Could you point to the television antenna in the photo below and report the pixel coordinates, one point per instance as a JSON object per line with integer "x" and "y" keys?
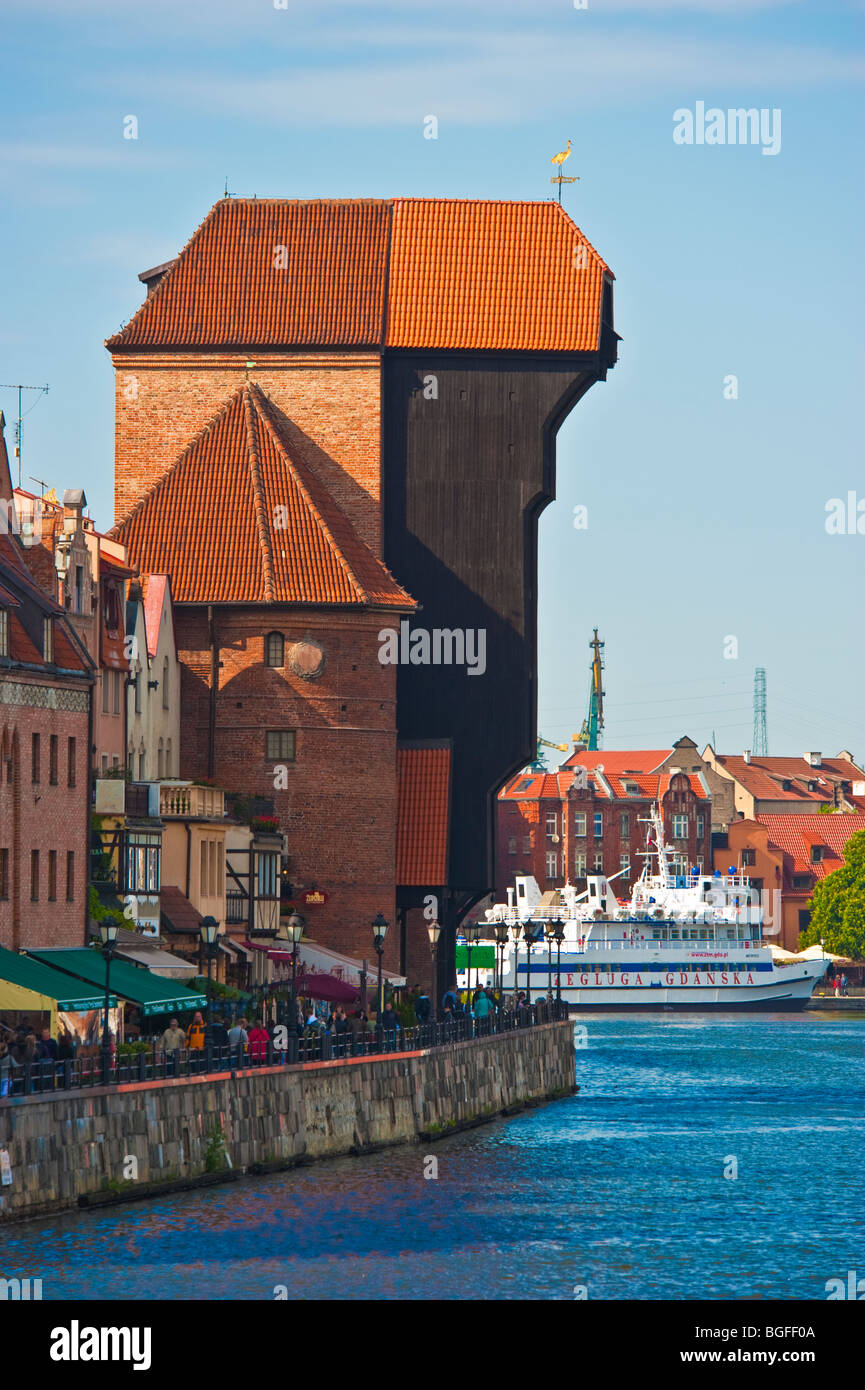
{"x": 19, "y": 387}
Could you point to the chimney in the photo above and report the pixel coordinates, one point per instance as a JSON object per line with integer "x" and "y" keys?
{"x": 151, "y": 278}
{"x": 747, "y": 755}
{"x": 814, "y": 759}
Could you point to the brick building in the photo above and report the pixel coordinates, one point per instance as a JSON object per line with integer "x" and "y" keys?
{"x": 309, "y": 393}
{"x": 789, "y": 854}
{"x": 45, "y": 697}
{"x": 587, "y": 817}
{"x": 765, "y": 786}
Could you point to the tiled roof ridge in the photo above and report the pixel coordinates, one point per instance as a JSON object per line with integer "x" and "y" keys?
{"x": 159, "y": 291}
{"x": 297, "y": 473}
{"x": 162, "y": 480}
{"x": 249, "y": 411}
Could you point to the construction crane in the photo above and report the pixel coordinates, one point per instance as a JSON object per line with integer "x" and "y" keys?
{"x": 539, "y": 765}
{"x": 594, "y": 720}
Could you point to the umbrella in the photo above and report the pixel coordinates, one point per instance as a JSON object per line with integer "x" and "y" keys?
{"x": 327, "y": 987}
{"x": 778, "y": 953}
{"x": 817, "y": 953}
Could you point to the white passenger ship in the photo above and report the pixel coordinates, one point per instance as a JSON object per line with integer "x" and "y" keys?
{"x": 692, "y": 941}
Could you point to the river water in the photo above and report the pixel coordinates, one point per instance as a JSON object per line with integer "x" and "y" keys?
{"x": 616, "y": 1193}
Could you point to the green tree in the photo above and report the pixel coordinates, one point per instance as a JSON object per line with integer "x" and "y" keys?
{"x": 838, "y": 905}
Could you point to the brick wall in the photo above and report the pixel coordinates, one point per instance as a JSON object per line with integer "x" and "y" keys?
{"x": 331, "y": 405}
{"x": 338, "y": 807}
{"x": 52, "y": 819}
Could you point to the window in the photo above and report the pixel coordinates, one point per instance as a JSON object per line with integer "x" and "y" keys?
{"x": 749, "y": 858}
{"x": 4, "y": 632}
{"x": 4, "y": 873}
{"x": 680, "y": 827}
{"x": 274, "y": 649}
{"x": 34, "y": 875}
{"x": 48, "y": 639}
{"x": 214, "y": 882}
{"x": 625, "y": 824}
{"x": 35, "y": 759}
{"x": 267, "y": 874}
{"x": 512, "y": 844}
{"x": 104, "y": 764}
{"x": 79, "y": 589}
{"x": 115, "y": 761}
{"x": 580, "y": 823}
{"x": 801, "y": 881}
{"x": 202, "y": 869}
{"x": 701, "y": 824}
{"x": 279, "y": 745}
{"x": 580, "y": 864}
{"x": 625, "y": 865}
{"x": 105, "y": 678}
{"x": 552, "y": 864}
{"x": 142, "y": 862}
{"x": 112, "y": 611}
{"x": 817, "y": 853}
{"x": 118, "y": 686}
{"x": 70, "y": 875}
{"x": 159, "y": 757}
{"x": 166, "y": 685}
{"x": 71, "y": 758}
{"x": 137, "y": 684}
{"x": 142, "y": 759}
{"x": 552, "y": 822}
{"x": 168, "y": 757}
{"x": 52, "y": 875}
{"x": 53, "y": 755}
{"x": 599, "y": 861}
{"x": 599, "y": 824}
{"x": 527, "y": 844}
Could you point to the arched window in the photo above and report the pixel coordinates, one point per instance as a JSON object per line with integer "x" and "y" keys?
{"x": 165, "y": 690}
{"x": 142, "y": 763}
{"x": 274, "y": 649}
{"x": 168, "y": 757}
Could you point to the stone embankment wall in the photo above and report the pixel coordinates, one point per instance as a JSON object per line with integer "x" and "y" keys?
{"x": 119, "y": 1138}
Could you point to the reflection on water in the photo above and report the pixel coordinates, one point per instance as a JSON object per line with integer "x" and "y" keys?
{"x": 619, "y": 1188}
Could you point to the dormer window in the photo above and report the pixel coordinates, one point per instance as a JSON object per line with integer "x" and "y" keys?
{"x": 48, "y": 639}
{"x": 818, "y": 853}
{"x": 786, "y": 784}
{"x": 112, "y": 612}
{"x": 4, "y": 632}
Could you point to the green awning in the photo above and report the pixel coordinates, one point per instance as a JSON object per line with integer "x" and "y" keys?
{"x": 483, "y": 957}
{"x": 153, "y": 993}
{"x": 70, "y": 995}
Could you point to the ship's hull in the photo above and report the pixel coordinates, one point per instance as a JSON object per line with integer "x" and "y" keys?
{"x": 642, "y": 981}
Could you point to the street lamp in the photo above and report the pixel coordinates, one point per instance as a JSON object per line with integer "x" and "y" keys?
{"x": 472, "y": 935}
{"x": 294, "y": 930}
{"x": 515, "y": 932}
{"x": 530, "y": 933}
{"x": 379, "y": 932}
{"x": 108, "y": 932}
{"x": 558, "y": 937}
{"x": 500, "y": 932}
{"x": 209, "y": 931}
{"x": 434, "y": 931}
{"x": 549, "y": 929}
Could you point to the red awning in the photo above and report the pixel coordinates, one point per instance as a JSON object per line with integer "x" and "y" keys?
{"x": 327, "y": 987}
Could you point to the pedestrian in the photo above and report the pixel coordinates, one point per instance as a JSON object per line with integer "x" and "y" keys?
{"x": 47, "y": 1047}
{"x": 481, "y": 1004}
{"x": 449, "y": 1000}
{"x": 196, "y": 1033}
{"x": 390, "y": 1024}
{"x": 171, "y": 1042}
{"x": 844, "y": 982}
{"x": 65, "y": 1048}
{"x": 7, "y": 1064}
{"x": 218, "y": 1035}
{"x": 837, "y": 985}
{"x": 238, "y": 1036}
{"x": 258, "y": 1040}
{"x": 422, "y": 1007}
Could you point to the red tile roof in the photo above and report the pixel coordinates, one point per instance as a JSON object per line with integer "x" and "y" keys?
{"x": 406, "y": 273}
{"x": 509, "y": 276}
{"x": 177, "y": 913}
{"x": 423, "y": 815}
{"x": 763, "y": 778}
{"x": 795, "y": 835}
{"x": 237, "y": 519}
{"x": 539, "y": 785}
{"x": 633, "y": 760}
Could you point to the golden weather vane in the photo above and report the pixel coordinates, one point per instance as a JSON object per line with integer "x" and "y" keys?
{"x": 561, "y": 178}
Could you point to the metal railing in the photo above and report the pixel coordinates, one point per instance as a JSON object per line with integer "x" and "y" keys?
{"x": 84, "y": 1073}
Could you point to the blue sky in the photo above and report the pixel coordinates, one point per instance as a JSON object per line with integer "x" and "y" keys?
{"x": 706, "y": 515}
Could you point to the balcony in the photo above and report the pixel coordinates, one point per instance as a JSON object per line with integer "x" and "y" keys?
{"x": 189, "y": 802}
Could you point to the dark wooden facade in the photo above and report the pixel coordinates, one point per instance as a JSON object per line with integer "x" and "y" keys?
{"x": 467, "y": 472}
